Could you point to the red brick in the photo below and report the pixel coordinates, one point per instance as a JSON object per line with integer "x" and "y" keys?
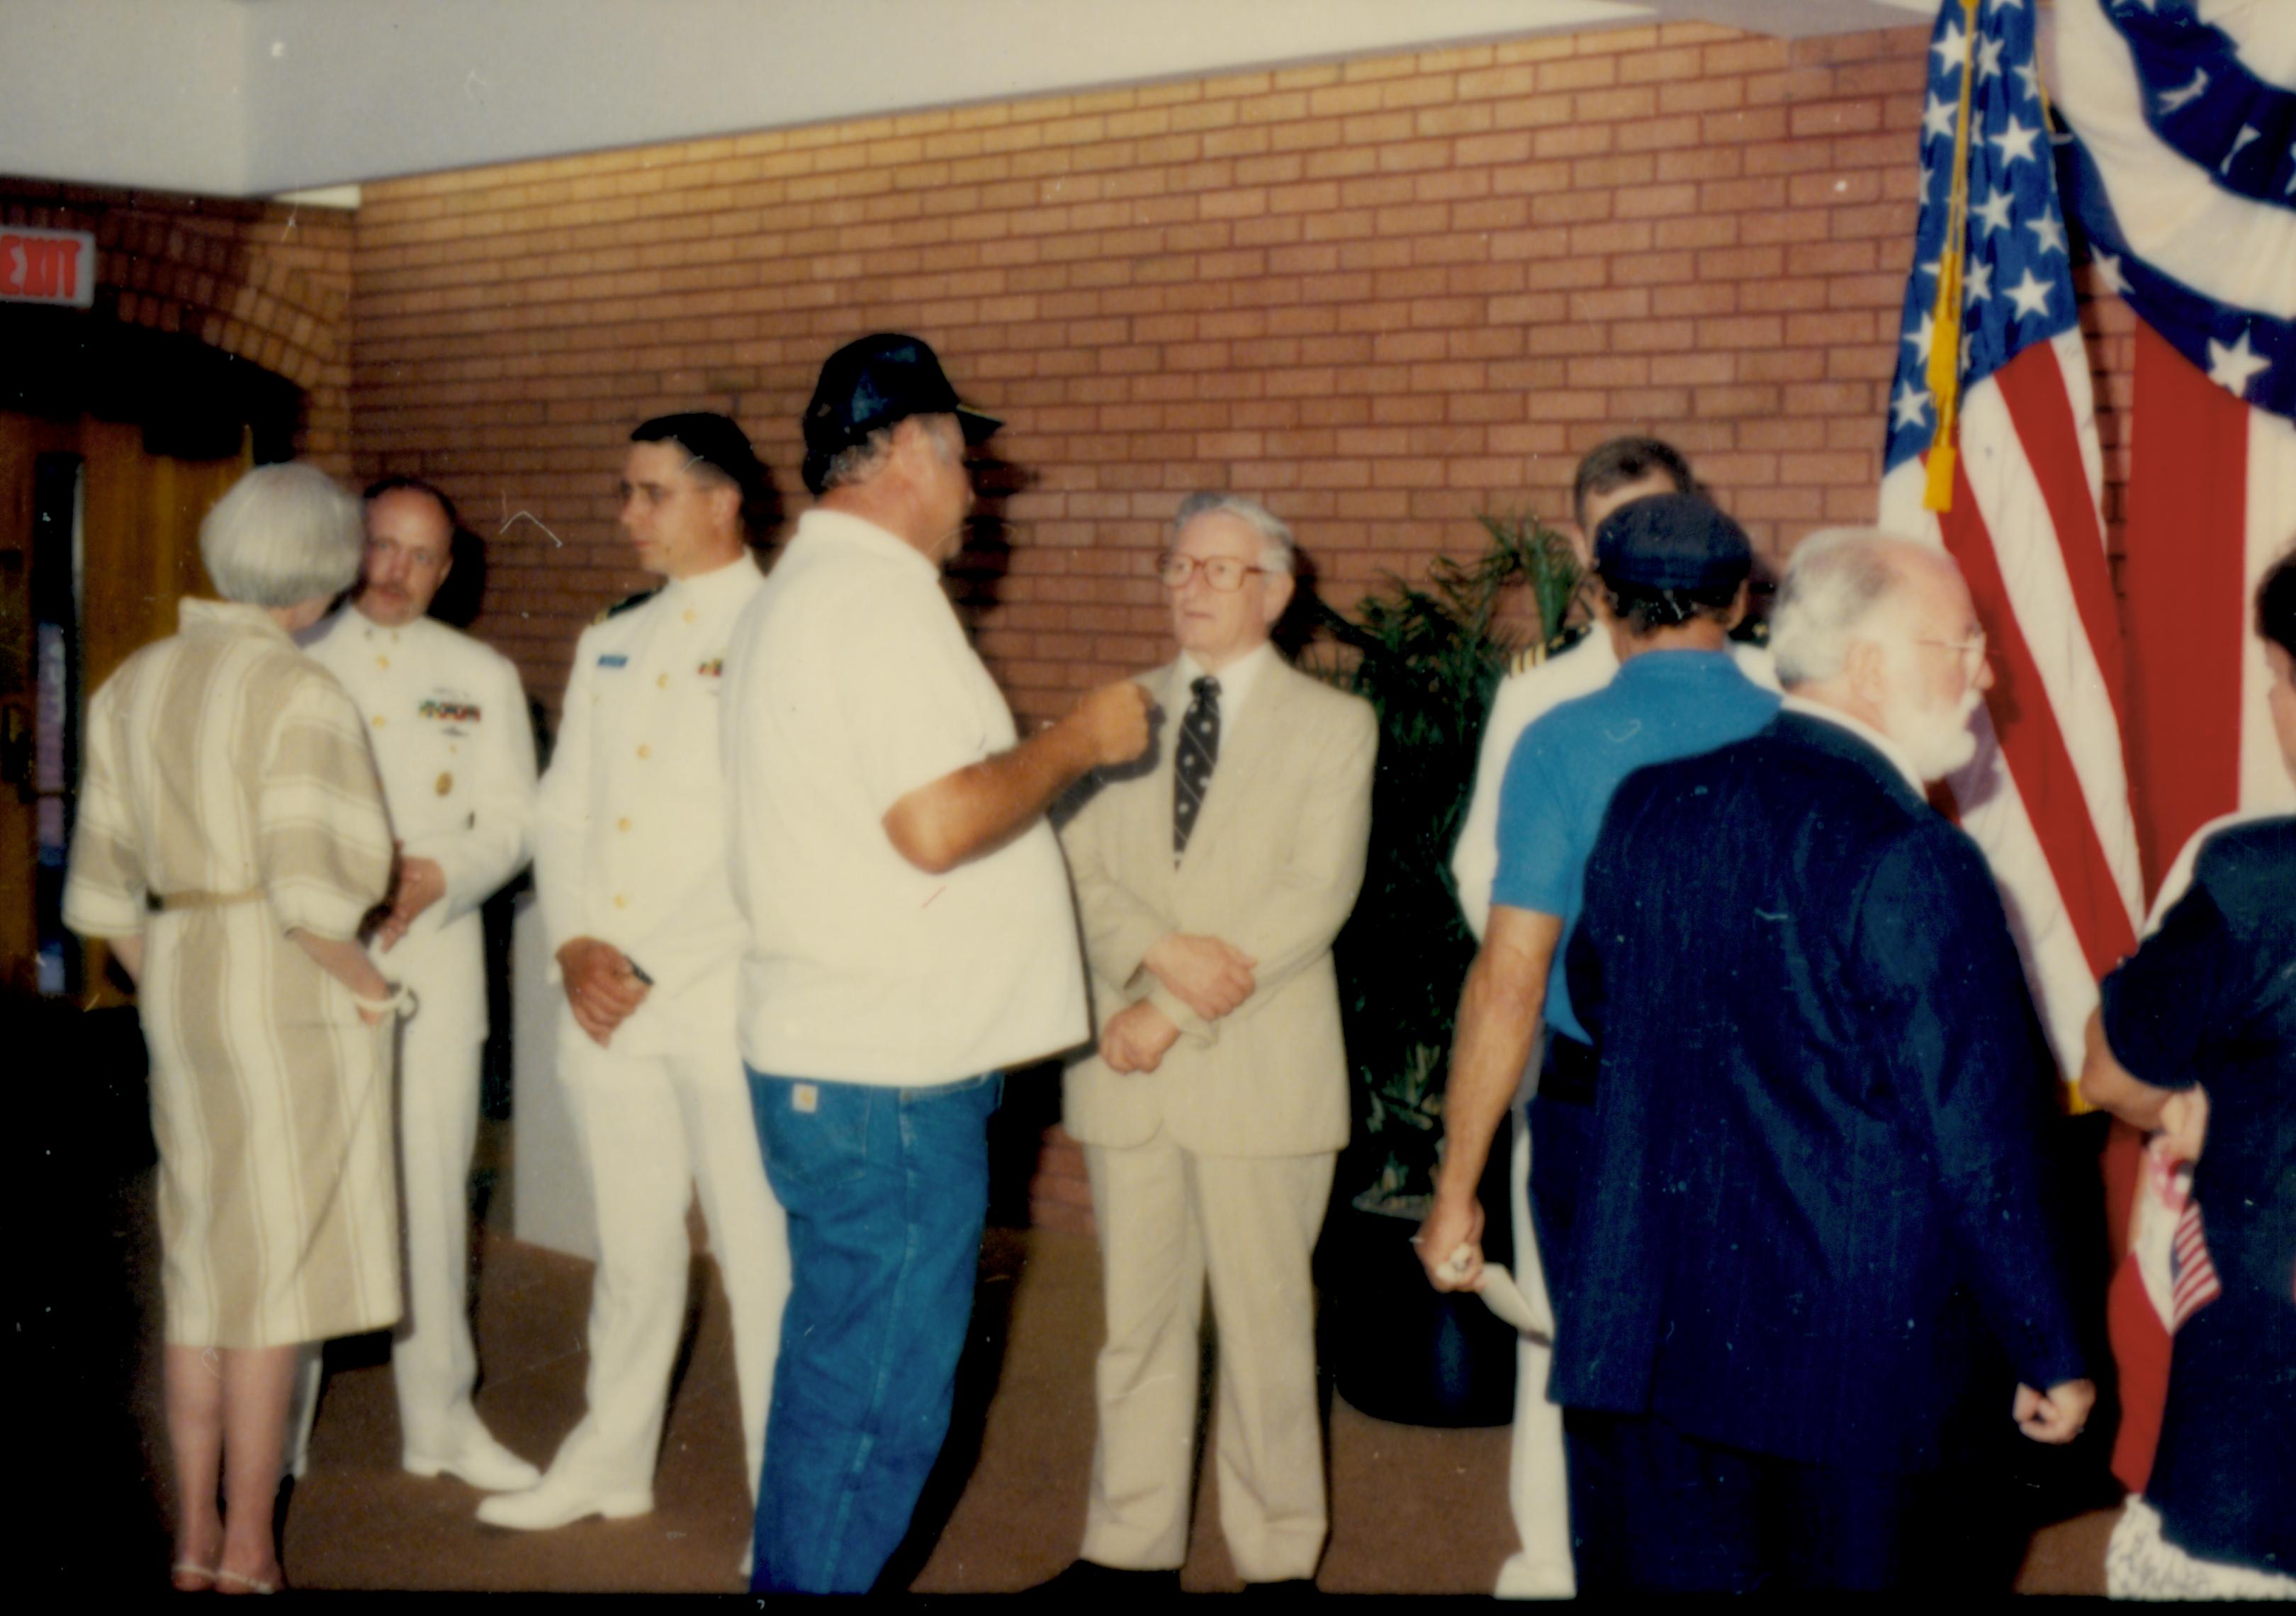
{"x": 1584, "y": 73}
{"x": 1191, "y": 281}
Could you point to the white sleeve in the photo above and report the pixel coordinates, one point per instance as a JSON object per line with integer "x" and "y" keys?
{"x": 1475, "y": 858}
{"x": 561, "y": 815}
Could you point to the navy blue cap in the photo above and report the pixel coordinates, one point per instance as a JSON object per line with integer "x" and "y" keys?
{"x": 876, "y": 382}
{"x": 1672, "y": 541}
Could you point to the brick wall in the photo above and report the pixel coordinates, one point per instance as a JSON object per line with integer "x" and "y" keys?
{"x": 1386, "y": 295}
{"x": 264, "y": 281}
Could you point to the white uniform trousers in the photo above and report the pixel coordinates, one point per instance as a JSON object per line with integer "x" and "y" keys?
{"x": 1538, "y": 1484}
{"x": 1169, "y": 1220}
{"x": 434, "y": 1363}
{"x": 652, "y": 1129}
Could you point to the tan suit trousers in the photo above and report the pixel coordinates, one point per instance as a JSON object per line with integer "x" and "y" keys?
{"x": 1170, "y": 1220}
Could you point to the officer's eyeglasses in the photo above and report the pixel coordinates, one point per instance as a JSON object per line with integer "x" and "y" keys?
{"x": 1970, "y": 652}
{"x": 390, "y": 549}
{"x": 1223, "y": 572}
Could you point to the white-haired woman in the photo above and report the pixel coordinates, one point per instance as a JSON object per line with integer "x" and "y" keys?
{"x": 231, "y": 840}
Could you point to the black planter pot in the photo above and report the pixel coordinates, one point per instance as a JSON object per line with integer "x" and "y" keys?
{"x": 1400, "y": 1350}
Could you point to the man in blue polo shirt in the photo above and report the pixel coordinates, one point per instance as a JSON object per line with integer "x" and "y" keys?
{"x": 1672, "y": 570}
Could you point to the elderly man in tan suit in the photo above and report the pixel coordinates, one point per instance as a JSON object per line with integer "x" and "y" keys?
{"x": 1211, "y": 882}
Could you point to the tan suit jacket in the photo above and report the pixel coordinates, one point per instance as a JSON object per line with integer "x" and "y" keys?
{"x": 1272, "y": 867}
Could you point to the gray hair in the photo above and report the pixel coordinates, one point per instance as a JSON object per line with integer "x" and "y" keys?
{"x": 284, "y": 534}
{"x": 1837, "y": 582}
{"x": 857, "y": 461}
{"x": 1278, "y": 551}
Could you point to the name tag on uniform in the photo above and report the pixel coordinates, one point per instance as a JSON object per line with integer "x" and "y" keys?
{"x": 450, "y": 712}
{"x": 612, "y": 658}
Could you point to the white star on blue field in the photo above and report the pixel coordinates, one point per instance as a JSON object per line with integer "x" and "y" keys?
{"x": 2017, "y": 279}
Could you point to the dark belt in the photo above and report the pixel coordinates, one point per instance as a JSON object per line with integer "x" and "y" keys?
{"x": 1567, "y": 1075}
{"x": 165, "y": 902}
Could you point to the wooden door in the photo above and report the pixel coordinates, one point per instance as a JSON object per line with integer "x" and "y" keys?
{"x": 137, "y": 555}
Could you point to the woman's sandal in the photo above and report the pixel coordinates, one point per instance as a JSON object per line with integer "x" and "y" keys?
{"x": 190, "y": 1576}
{"x": 240, "y": 1583}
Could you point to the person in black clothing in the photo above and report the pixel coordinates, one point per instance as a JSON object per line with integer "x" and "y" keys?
{"x": 1818, "y": 1257}
{"x": 2196, "y": 1037}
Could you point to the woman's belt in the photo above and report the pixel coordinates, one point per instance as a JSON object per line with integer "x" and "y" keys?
{"x": 164, "y": 902}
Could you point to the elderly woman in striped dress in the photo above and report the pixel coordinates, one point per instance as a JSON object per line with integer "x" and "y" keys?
{"x": 231, "y": 840}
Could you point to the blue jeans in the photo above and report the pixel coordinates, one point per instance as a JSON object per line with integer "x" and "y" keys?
{"x": 886, "y": 1191}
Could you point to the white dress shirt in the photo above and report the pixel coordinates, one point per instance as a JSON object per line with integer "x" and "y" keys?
{"x": 631, "y": 835}
{"x": 446, "y": 720}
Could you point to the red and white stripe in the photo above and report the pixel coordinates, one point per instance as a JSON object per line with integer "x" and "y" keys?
{"x": 2212, "y": 505}
{"x": 2049, "y": 803}
{"x": 2196, "y": 1273}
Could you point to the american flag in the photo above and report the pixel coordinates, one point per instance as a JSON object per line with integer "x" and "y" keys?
{"x": 2170, "y": 1248}
{"x": 2192, "y": 1271}
{"x": 1992, "y": 451}
{"x": 2183, "y": 187}
{"x": 2182, "y": 184}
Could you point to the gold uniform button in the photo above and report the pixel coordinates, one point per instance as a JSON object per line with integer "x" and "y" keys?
{"x": 663, "y": 681}
{"x": 446, "y": 784}
{"x": 643, "y": 751}
{"x": 621, "y": 902}
{"x": 382, "y": 662}
{"x": 378, "y": 720}
{"x": 689, "y": 615}
{"x": 622, "y": 825}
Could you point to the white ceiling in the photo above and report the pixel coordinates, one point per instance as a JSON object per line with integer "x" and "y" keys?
{"x": 254, "y": 97}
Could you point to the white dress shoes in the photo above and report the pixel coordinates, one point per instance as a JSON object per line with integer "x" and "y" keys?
{"x": 559, "y": 1501}
{"x": 481, "y": 1461}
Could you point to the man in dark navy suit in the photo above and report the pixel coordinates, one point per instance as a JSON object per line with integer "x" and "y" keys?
{"x": 1818, "y": 1252}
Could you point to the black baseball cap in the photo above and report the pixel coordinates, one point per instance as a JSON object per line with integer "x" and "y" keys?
{"x": 1672, "y": 541}
{"x": 873, "y": 383}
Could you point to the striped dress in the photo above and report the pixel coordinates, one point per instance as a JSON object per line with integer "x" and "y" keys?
{"x": 229, "y": 781}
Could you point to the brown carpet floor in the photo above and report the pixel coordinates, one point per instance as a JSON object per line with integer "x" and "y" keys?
{"x": 1412, "y": 1509}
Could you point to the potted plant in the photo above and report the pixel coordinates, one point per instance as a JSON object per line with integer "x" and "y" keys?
{"x": 1428, "y": 660}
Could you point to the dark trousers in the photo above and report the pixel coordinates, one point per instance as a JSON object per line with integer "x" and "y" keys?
{"x": 1652, "y": 1510}
{"x": 1562, "y": 1136}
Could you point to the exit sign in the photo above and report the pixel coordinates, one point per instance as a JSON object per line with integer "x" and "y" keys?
{"x": 46, "y": 267}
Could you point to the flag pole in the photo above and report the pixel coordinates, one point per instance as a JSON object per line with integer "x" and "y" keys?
{"x": 1945, "y": 314}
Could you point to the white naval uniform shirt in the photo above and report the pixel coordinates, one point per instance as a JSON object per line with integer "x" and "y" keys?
{"x": 1529, "y": 692}
{"x": 630, "y": 843}
{"x": 446, "y": 720}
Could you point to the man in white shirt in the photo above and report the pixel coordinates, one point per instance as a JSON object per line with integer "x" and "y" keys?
{"x": 447, "y": 717}
{"x": 909, "y": 933}
{"x": 630, "y": 867}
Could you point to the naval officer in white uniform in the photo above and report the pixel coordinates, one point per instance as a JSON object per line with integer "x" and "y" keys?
{"x": 630, "y": 867}
{"x": 448, "y": 720}
{"x": 1574, "y": 663}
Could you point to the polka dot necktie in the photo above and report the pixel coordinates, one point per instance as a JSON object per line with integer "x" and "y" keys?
{"x": 1192, "y": 759}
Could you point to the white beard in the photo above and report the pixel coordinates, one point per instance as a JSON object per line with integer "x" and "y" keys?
{"x": 1936, "y": 739}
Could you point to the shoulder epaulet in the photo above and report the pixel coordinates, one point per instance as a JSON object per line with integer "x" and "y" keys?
{"x": 1531, "y": 656}
{"x": 619, "y": 607}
